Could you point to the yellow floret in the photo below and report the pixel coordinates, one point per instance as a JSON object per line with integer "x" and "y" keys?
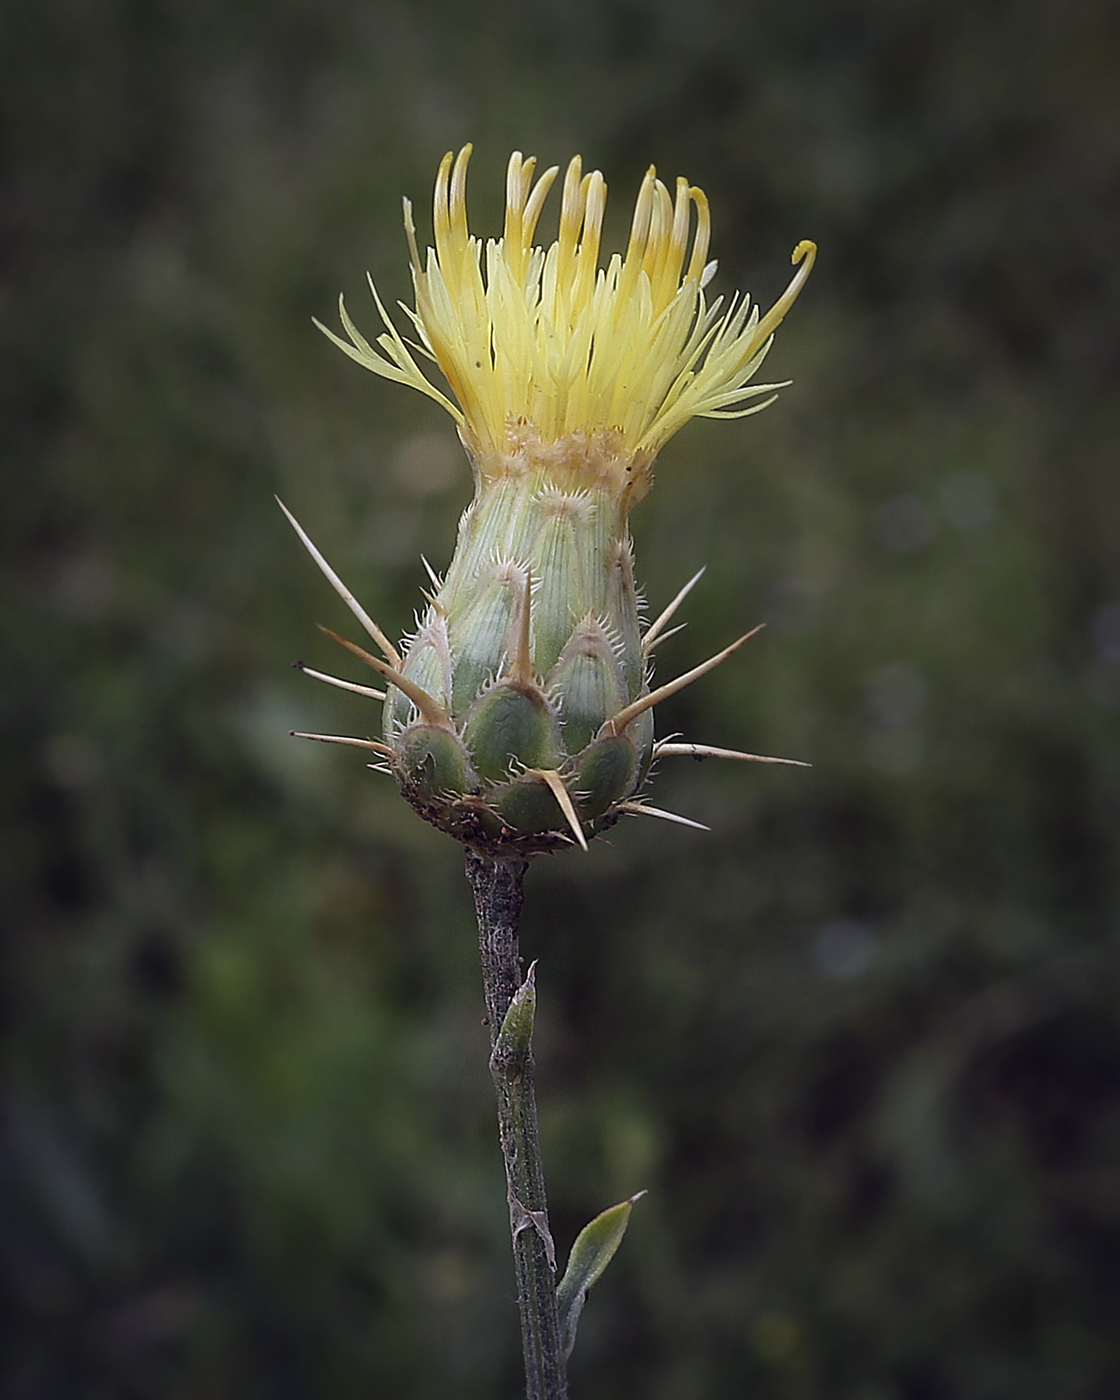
{"x": 545, "y": 346}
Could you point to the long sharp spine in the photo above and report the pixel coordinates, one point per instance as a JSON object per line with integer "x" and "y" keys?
{"x": 654, "y": 630}
{"x": 639, "y": 809}
{"x": 617, "y": 723}
{"x": 563, "y": 800}
{"x": 392, "y": 654}
{"x": 366, "y": 690}
{"x": 430, "y": 708}
{"x": 373, "y": 744}
{"x": 668, "y": 749}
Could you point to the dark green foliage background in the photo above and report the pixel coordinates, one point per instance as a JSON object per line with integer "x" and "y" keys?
{"x": 862, "y": 1042}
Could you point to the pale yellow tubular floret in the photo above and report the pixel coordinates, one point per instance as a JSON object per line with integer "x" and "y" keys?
{"x": 554, "y": 298}
{"x": 453, "y": 277}
{"x": 806, "y": 254}
{"x": 441, "y": 221}
{"x": 563, "y": 263}
{"x": 573, "y": 296}
{"x": 535, "y": 204}
{"x": 676, "y": 243}
{"x": 690, "y": 326}
{"x": 513, "y": 369}
{"x": 628, "y": 349}
{"x": 698, "y": 266}
{"x": 457, "y": 245}
{"x": 639, "y": 233}
{"x": 593, "y": 194}
{"x": 519, "y": 174}
{"x": 436, "y": 309}
{"x": 606, "y": 366}
{"x": 410, "y": 235}
{"x": 656, "y": 253}
{"x": 524, "y": 202}
{"x": 544, "y": 341}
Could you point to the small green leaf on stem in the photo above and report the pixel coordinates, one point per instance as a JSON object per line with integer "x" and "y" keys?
{"x": 593, "y": 1250}
{"x": 515, "y": 1039}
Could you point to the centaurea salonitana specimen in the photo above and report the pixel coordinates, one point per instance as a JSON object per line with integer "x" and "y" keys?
{"x": 519, "y": 716}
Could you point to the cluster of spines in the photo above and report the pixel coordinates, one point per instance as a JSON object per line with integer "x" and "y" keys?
{"x": 434, "y": 716}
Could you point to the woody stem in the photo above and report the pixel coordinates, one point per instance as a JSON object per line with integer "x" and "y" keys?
{"x": 498, "y": 887}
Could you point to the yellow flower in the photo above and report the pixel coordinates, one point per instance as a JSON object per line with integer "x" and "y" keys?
{"x": 519, "y": 716}
{"x": 544, "y": 346}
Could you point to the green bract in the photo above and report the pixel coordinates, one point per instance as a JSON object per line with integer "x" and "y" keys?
{"x": 530, "y": 647}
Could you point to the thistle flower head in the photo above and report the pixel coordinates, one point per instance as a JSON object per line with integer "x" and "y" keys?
{"x": 519, "y": 716}
{"x": 550, "y": 355}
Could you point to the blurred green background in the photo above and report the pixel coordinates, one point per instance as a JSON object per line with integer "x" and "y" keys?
{"x": 862, "y": 1042}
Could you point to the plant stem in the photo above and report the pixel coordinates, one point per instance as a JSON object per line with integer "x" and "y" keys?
{"x": 498, "y": 887}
